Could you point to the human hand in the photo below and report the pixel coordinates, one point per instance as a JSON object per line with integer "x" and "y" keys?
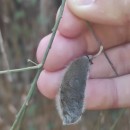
{"x": 73, "y": 39}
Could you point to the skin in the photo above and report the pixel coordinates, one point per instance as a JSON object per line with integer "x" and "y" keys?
{"x": 73, "y": 39}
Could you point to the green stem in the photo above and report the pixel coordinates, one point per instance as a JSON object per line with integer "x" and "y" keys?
{"x": 20, "y": 70}
{"x": 19, "y": 119}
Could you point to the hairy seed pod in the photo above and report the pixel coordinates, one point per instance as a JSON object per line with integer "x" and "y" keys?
{"x": 70, "y": 98}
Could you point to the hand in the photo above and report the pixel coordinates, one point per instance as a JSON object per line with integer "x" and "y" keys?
{"x": 111, "y": 23}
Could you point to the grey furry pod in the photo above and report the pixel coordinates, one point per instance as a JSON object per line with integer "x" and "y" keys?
{"x": 70, "y": 98}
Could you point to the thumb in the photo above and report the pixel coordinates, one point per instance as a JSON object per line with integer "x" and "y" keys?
{"x": 99, "y": 11}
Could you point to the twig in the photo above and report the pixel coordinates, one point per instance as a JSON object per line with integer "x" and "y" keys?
{"x": 32, "y": 62}
{"x": 5, "y": 59}
{"x": 19, "y": 119}
{"x": 20, "y": 70}
{"x": 100, "y": 43}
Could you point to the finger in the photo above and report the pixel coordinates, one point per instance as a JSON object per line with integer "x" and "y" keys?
{"x": 109, "y": 35}
{"x": 108, "y": 93}
{"x": 63, "y": 50}
{"x": 49, "y": 82}
{"x": 99, "y": 94}
{"x": 100, "y": 11}
{"x": 70, "y": 26}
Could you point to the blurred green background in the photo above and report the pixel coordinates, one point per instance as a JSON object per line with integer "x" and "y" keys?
{"x": 23, "y": 23}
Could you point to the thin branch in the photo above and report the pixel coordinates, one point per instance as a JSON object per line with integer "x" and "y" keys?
{"x": 100, "y": 43}
{"x": 20, "y": 70}
{"x": 32, "y": 62}
{"x": 19, "y": 119}
{"x": 5, "y": 59}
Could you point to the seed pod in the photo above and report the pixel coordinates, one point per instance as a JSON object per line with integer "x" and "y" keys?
{"x": 70, "y": 98}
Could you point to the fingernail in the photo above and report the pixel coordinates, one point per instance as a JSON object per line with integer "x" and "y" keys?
{"x": 83, "y": 2}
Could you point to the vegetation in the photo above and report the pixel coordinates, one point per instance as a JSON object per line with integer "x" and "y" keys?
{"x": 23, "y": 23}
